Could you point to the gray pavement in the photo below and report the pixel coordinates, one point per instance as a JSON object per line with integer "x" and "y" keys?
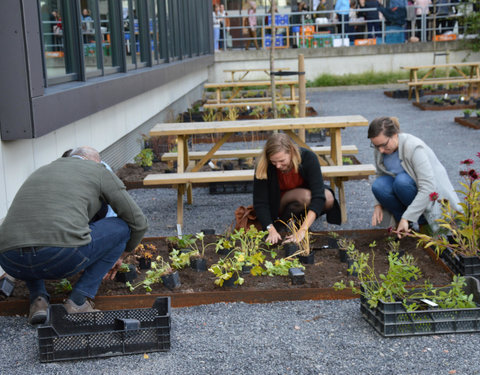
{"x": 300, "y": 337}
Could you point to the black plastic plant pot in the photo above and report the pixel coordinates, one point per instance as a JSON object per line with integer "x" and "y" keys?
{"x": 6, "y": 286}
{"x": 198, "y": 264}
{"x": 172, "y": 280}
{"x": 123, "y": 277}
{"x": 297, "y": 276}
{"x": 223, "y": 251}
{"x": 144, "y": 263}
{"x": 147, "y": 168}
{"x": 231, "y": 281}
{"x": 332, "y": 243}
{"x": 342, "y": 254}
{"x": 350, "y": 264}
{"x": 290, "y": 248}
{"x": 208, "y": 231}
{"x": 307, "y": 259}
{"x": 246, "y": 269}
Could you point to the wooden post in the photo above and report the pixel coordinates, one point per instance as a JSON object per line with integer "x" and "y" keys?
{"x": 302, "y": 95}
{"x": 272, "y": 59}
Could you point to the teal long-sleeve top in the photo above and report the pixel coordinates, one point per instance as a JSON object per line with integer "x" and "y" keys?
{"x": 55, "y": 204}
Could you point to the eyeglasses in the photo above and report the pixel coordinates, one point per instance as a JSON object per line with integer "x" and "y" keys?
{"x": 378, "y": 146}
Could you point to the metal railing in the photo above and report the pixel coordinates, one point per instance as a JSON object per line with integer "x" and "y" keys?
{"x": 302, "y": 28}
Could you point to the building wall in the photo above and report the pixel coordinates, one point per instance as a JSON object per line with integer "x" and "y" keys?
{"x": 342, "y": 60}
{"x": 106, "y": 130}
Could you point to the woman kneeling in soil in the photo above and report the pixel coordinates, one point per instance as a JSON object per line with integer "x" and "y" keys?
{"x": 409, "y": 178}
{"x": 288, "y": 182}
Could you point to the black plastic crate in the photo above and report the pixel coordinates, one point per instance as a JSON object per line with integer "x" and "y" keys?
{"x": 105, "y": 333}
{"x": 459, "y": 264}
{"x": 231, "y": 187}
{"x": 390, "y": 319}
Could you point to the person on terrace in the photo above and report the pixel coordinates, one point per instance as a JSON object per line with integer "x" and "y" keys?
{"x": 288, "y": 183}
{"x": 48, "y": 232}
{"x": 409, "y": 178}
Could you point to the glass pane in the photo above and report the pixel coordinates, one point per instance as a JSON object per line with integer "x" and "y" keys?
{"x": 53, "y": 41}
{"x": 106, "y": 18}
{"x": 130, "y": 25}
{"x": 153, "y": 26}
{"x": 90, "y": 37}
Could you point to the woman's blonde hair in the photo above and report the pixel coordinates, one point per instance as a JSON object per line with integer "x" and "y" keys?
{"x": 276, "y": 143}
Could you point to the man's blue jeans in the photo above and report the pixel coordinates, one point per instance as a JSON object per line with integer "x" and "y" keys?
{"x": 109, "y": 238}
{"x": 395, "y": 193}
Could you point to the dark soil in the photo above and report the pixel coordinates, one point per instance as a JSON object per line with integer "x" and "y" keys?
{"x": 425, "y": 106}
{"x": 326, "y": 270}
{"x": 471, "y": 122}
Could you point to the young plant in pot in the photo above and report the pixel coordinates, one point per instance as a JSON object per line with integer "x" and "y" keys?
{"x": 344, "y": 245}
{"x": 227, "y": 271}
{"x": 145, "y": 159}
{"x": 467, "y": 113}
{"x": 197, "y": 255}
{"x": 457, "y": 236}
{"x": 160, "y": 272}
{"x": 301, "y": 238}
{"x": 249, "y": 248}
{"x": 144, "y": 255}
{"x": 126, "y": 273}
{"x": 182, "y": 243}
{"x": 332, "y": 240}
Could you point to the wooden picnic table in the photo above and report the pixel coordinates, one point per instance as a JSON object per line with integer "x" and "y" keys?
{"x": 235, "y": 88}
{"x": 419, "y": 78}
{"x": 243, "y": 73}
{"x": 289, "y": 125}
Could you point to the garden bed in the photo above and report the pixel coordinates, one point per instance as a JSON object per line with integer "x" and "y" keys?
{"x": 471, "y": 122}
{"x": 199, "y": 287}
{"x": 443, "y": 106}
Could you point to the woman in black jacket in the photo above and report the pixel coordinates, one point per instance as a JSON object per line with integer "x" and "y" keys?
{"x": 288, "y": 182}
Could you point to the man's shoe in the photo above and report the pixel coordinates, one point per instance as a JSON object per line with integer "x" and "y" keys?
{"x": 73, "y": 308}
{"x": 38, "y": 311}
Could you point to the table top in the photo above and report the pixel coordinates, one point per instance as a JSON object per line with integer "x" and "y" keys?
{"x": 189, "y": 128}
{"x": 450, "y": 65}
{"x": 254, "y": 70}
{"x": 248, "y": 83}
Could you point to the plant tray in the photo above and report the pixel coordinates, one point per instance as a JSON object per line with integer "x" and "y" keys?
{"x": 390, "y": 319}
{"x": 245, "y": 187}
{"x": 105, "y": 333}
{"x": 459, "y": 264}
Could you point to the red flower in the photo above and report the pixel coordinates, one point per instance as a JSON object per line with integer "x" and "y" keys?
{"x": 389, "y": 230}
{"x": 467, "y": 161}
{"x": 478, "y": 154}
{"x": 433, "y": 196}
{"x": 472, "y": 173}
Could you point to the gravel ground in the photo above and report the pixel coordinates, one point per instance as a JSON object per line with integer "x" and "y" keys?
{"x": 301, "y": 337}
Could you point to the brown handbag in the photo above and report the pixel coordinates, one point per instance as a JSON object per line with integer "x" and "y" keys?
{"x": 245, "y": 217}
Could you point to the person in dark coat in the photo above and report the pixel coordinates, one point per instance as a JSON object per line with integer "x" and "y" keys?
{"x": 288, "y": 182}
{"x": 371, "y": 17}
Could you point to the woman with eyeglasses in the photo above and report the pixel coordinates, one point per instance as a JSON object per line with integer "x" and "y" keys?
{"x": 408, "y": 173}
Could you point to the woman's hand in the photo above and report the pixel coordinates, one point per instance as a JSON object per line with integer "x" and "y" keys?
{"x": 377, "y": 216}
{"x": 402, "y": 228}
{"x": 300, "y": 235}
{"x": 273, "y": 236}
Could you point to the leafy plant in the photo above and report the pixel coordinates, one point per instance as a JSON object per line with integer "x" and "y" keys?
{"x": 293, "y": 225}
{"x": 467, "y": 112}
{"x": 462, "y": 226}
{"x": 199, "y": 250}
{"x": 63, "y": 286}
{"x": 477, "y": 113}
{"x": 180, "y": 259}
{"x": 280, "y": 267}
{"x": 333, "y": 235}
{"x": 124, "y": 268}
{"x": 391, "y": 287}
{"x": 158, "y": 269}
{"x": 145, "y": 251}
{"x": 225, "y": 269}
{"x": 232, "y": 114}
{"x": 145, "y": 157}
{"x": 347, "y": 160}
{"x": 181, "y": 242}
{"x": 209, "y": 115}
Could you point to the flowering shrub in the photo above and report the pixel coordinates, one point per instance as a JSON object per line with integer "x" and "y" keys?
{"x": 461, "y": 229}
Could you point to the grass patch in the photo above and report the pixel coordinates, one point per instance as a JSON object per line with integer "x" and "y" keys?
{"x": 370, "y": 78}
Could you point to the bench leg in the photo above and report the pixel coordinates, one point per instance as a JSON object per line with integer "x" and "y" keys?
{"x": 341, "y": 198}
{"x": 180, "y": 192}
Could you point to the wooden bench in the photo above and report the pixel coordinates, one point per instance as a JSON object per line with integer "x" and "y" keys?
{"x": 244, "y": 72}
{"x": 418, "y": 79}
{"x": 334, "y": 172}
{"x": 221, "y": 154}
{"x": 251, "y": 104}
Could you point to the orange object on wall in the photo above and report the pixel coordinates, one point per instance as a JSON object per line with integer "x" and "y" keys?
{"x": 445, "y": 37}
{"x": 365, "y": 42}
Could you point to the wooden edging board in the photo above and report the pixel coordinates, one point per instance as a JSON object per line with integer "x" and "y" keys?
{"x": 20, "y": 307}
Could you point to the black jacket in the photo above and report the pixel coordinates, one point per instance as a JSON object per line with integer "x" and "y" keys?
{"x": 266, "y": 193}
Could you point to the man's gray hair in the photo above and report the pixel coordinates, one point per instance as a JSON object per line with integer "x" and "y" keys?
{"x": 87, "y": 152}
